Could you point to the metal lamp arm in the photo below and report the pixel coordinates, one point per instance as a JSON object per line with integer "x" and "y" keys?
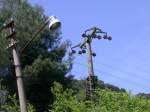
{"x": 34, "y": 36}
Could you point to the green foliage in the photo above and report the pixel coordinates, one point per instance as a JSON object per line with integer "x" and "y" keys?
{"x": 3, "y": 93}
{"x": 81, "y": 84}
{"x": 42, "y": 74}
{"x": 107, "y": 101}
{"x": 42, "y": 62}
{"x": 65, "y": 101}
{"x": 144, "y": 95}
{"x": 13, "y": 106}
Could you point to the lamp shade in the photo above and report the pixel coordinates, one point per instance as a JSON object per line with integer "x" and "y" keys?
{"x": 54, "y": 23}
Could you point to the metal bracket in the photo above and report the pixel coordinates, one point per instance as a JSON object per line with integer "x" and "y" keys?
{"x": 12, "y": 44}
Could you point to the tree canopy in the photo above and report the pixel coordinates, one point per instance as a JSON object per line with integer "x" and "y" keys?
{"x": 46, "y": 71}
{"x": 42, "y": 62}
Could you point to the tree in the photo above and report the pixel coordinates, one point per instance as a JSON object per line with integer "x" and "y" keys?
{"x": 42, "y": 62}
{"x": 143, "y": 95}
{"x": 3, "y": 93}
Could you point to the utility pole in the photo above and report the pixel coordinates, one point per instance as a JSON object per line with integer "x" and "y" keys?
{"x": 53, "y": 24}
{"x": 13, "y": 45}
{"x": 88, "y": 36}
{"x": 89, "y": 88}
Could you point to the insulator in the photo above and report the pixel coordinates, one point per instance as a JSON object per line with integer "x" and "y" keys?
{"x": 83, "y": 35}
{"x": 83, "y": 51}
{"x": 73, "y": 51}
{"x": 109, "y": 38}
{"x": 105, "y": 37}
{"x": 80, "y": 52}
{"x": 94, "y": 54}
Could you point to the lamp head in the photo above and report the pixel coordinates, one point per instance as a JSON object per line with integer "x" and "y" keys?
{"x": 54, "y": 23}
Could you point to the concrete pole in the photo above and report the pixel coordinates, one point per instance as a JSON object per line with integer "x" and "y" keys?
{"x": 20, "y": 85}
{"x": 90, "y": 59}
{"x": 90, "y": 66}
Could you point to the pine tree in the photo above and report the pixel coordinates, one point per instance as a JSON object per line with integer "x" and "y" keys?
{"x": 42, "y": 62}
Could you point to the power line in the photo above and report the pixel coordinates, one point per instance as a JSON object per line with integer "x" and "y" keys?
{"x": 133, "y": 91}
{"x": 136, "y": 66}
{"x": 112, "y": 75}
{"x": 123, "y": 71}
{"x": 120, "y": 70}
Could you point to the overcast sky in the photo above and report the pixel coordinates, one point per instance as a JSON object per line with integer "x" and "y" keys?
{"x": 124, "y": 61}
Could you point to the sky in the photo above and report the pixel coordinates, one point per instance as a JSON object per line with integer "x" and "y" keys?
{"x": 124, "y": 61}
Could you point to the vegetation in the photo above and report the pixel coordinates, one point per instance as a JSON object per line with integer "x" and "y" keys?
{"x": 13, "y": 106}
{"x": 43, "y": 64}
{"x": 106, "y": 101}
{"x": 143, "y": 95}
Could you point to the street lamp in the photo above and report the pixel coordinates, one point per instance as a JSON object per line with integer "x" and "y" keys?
{"x": 53, "y": 24}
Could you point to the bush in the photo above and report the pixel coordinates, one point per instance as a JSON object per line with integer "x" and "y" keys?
{"x": 12, "y": 105}
{"x": 106, "y": 101}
